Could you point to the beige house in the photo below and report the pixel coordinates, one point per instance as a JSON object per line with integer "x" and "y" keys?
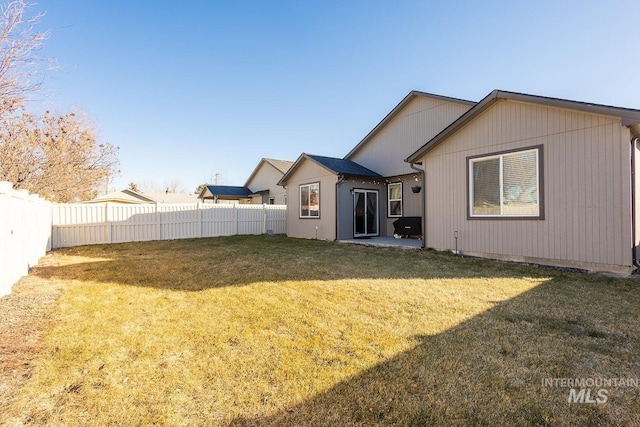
{"x": 535, "y": 179}
{"x": 263, "y": 182}
{"x": 363, "y": 194}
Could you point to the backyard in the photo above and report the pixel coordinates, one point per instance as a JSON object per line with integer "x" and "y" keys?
{"x": 264, "y": 330}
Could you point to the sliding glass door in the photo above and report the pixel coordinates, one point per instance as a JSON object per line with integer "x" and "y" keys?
{"x": 365, "y": 213}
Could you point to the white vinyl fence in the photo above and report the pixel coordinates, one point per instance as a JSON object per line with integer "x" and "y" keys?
{"x": 31, "y": 226}
{"x": 87, "y": 224}
{"x": 25, "y": 233}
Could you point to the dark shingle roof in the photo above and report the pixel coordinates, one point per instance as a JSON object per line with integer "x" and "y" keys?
{"x": 229, "y": 191}
{"x": 344, "y": 167}
{"x": 334, "y": 165}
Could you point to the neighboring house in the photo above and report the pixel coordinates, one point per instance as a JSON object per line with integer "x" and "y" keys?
{"x": 535, "y": 179}
{"x": 261, "y": 186}
{"x": 263, "y": 182}
{"x": 367, "y": 203}
{"x": 129, "y": 196}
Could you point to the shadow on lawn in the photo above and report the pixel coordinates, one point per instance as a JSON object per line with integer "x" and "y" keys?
{"x": 195, "y": 265}
{"x": 485, "y": 371}
{"x": 490, "y": 370}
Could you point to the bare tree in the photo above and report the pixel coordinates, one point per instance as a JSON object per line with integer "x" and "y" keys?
{"x": 200, "y": 188}
{"x": 21, "y": 67}
{"x": 174, "y": 186}
{"x": 57, "y": 157}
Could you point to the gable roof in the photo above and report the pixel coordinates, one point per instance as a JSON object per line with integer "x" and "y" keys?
{"x": 334, "y": 165}
{"x": 280, "y": 165}
{"x": 629, "y": 117}
{"x": 413, "y": 94}
{"x": 123, "y": 196}
{"x": 226, "y": 191}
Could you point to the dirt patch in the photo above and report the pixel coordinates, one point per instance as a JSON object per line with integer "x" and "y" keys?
{"x": 25, "y": 316}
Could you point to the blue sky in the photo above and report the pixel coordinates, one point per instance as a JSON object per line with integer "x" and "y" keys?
{"x": 188, "y": 89}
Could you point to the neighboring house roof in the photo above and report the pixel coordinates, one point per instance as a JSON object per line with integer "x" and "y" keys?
{"x": 225, "y": 191}
{"x": 131, "y": 196}
{"x": 629, "y": 117}
{"x": 413, "y": 94}
{"x": 123, "y": 196}
{"x": 173, "y": 197}
{"x": 335, "y": 165}
{"x": 280, "y": 165}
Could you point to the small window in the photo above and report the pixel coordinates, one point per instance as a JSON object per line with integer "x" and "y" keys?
{"x": 310, "y": 200}
{"x": 272, "y": 200}
{"x": 505, "y": 185}
{"x": 395, "y": 199}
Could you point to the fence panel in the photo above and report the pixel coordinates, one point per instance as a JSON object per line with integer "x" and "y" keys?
{"x": 79, "y": 224}
{"x": 25, "y": 233}
{"x": 86, "y": 224}
{"x": 217, "y": 220}
{"x": 276, "y": 219}
{"x": 133, "y": 223}
{"x": 251, "y": 220}
{"x": 179, "y": 221}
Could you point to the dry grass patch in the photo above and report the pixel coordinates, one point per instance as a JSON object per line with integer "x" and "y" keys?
{"x": 258, "y": 330}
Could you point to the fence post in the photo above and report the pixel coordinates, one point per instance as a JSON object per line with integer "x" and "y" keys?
{"x": 158, "y": 229}
{"x": 198, "y": 221}
{"x": 264, "y": 218}
{"x": 108, "y": 223}
{"x": 235, "y": 219}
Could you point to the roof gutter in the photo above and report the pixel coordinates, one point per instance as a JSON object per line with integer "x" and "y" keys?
{"x": 424, "y": 208}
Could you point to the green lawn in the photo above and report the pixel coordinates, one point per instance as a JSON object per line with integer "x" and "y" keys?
{"x": 258, "y": 330}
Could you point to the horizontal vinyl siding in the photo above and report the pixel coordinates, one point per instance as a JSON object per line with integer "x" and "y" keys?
{"x": 410, "y": 129}
{"x": 586, "y": 186}
{"x": 309, "y": 172}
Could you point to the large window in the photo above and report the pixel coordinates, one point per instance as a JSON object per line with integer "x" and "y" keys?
{"x": 506, "y": 185}
{"x": 310, "y": 200}
{"x": 395, "y": 199}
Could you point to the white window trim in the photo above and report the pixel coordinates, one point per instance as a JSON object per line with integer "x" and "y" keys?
{"x": 501, "y": 155}
{"x": 389, "y": 199}
{"x": 300, "y": 200}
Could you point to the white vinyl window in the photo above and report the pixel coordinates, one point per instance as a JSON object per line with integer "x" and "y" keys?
{"x": 505, "y": 185}
{"x": 395, "y": 199}
{"x": 310, "y": 200}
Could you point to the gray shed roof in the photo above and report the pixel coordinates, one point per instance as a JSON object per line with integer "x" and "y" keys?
{"x": 229, "y": 191}
{"x": 629, "y": 116}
